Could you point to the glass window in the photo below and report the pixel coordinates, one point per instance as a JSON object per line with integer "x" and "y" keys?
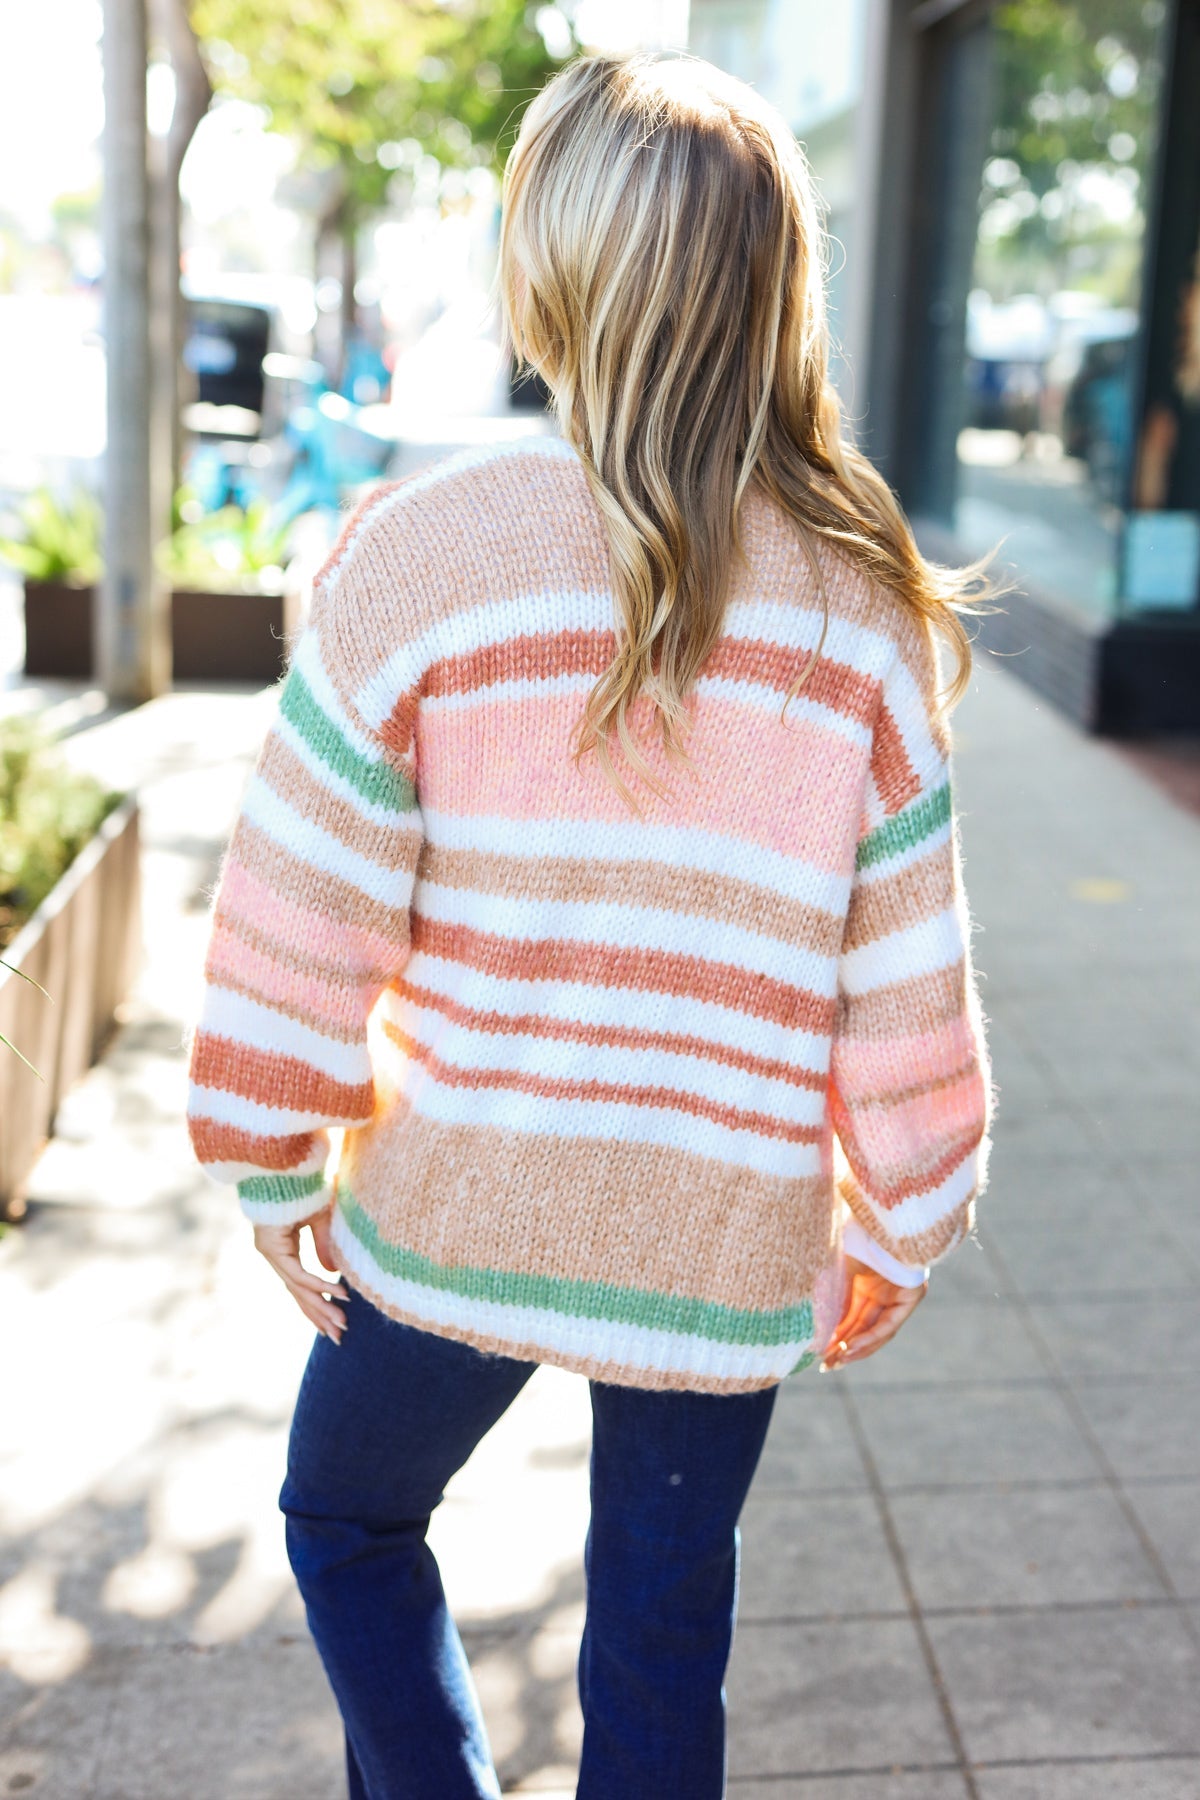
{"x": 1052, "y": 331}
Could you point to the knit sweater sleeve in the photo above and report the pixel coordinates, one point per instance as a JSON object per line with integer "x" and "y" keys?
{"x": 309, "y": 923}
{"x": 910, "y": 1078}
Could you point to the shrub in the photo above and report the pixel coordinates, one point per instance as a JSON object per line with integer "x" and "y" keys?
{"x": 236, "y": 550}
{"x": 56, "y": 540}
{"x": 48, "y": 812}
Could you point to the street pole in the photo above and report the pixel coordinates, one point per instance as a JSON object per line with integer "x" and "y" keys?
{"x": 132, "y": 633}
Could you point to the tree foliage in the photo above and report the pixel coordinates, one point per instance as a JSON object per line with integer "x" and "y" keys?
{"x": 365, "y": 86}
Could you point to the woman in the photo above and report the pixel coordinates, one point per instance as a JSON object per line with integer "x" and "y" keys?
{"x": 600, "y": 876}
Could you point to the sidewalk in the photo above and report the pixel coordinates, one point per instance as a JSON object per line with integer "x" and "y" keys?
{"x": 971, "y": 1566}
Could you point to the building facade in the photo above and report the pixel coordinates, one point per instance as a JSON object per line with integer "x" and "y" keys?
{"x": 1013, "y": 197}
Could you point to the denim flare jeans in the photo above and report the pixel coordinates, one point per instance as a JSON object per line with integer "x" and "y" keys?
{"x": 382, "y": 1422}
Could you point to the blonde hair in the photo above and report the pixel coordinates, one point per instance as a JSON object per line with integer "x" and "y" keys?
{"x": 662, "y": 266}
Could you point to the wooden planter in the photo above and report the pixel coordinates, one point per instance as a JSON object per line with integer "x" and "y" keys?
{"x": 58, "y": 630}
{"x": 229, "y": 637}
{"x": 83, "y": 944}
{"x": 214, "y": 637}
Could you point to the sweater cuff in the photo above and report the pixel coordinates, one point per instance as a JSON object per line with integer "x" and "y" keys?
{"x": 284, "y": 1199}
{"x": 862, "y": 1246}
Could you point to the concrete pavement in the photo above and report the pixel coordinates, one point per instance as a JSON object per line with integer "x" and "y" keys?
{"x": 971, "y": 1566}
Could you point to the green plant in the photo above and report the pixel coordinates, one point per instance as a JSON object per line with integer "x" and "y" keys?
{"x": 232, "y": 550}
{"x": 56, "y": 540}
{"x": 48, "y": 812}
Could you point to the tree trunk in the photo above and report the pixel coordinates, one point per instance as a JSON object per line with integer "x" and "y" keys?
{"x": 132, "y": 627}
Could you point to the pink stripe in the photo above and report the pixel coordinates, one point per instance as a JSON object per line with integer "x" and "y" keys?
{"x": 795, "y": 787}
{"x": 251, "y": 971}
{"x": 867, "y": 1066}
{"x": 895, "y": 1137}
{"x": 244, "y": 897}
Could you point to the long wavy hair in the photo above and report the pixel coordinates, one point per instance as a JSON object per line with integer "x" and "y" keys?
{"x": 662, "y": 266}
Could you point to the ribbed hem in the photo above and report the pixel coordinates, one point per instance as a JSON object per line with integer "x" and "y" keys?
{"x": 284, "y": 1199}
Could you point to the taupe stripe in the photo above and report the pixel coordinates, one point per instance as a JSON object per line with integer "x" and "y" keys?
{"x": 391, "y": 846}
{"x": 593, "y": 1367}
{"x": 300, "y": 882}
{"x": 333, "y": 971}
{"x": 914, "y": 1004}
{"x": 919, "y": 1246}
{"x": 901, "y": 1096}
{"x": 670, "y": 890}
{"x": 638, "y": 1215}
{"x": 909, "y": 897}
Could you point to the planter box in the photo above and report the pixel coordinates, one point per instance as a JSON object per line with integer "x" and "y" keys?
{"x": 83, "y": 944}
{"x": 214, "y": 637}
{"x": 58, "y": 630}
{"x": 229, "y": 637}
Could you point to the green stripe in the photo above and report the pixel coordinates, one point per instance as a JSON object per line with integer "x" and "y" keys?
{"x": 280, "y": 1188}
{"x": 375, "y": 781}
{"x": 906, "y": 829}
{"x": 582, "y": 1299}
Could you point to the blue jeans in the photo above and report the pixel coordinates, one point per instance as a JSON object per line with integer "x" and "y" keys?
{"x": 382, "y": 1423}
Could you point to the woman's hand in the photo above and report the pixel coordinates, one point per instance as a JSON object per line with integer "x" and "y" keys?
{"x": 875, "y": 1310}
{"x": 313, "y": 1294}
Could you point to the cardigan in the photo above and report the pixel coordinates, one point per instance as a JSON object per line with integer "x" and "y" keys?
{"x": 613, "y": 1091}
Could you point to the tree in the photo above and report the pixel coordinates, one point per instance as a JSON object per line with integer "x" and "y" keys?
{"x": 1076, "y": 88}
{"x": 362, "y": 84}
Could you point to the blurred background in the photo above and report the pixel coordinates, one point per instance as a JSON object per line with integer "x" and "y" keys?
{"x": 245, "y": 256}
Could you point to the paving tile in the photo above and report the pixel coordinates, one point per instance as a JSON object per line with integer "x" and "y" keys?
{"x": 880, "y": 1784}
{"x": 1136, "y": 1254}
{"x": 1145, "y": 1428}
{"x": 1137, "y": 1127}
{"x": 1097, "y": 1681}
{"x": 526, "y": 1684}
{"x": 810, "y": 1446}
{"x": 1146, "y": 1335}
{"x": 1057, "y": 1186}
{"x": 949, "y": 1340}
{"x": 796, "y": 1699}
{"x": 933, "y": 1436}
{"x": 1172, "y": 1779}
{"x": 805, "y": 1555}
{"x": 256, "y": 1723}
{"x": 968, "y": 1272}
{"x": 1170, "y": 1512}
{"x": 54, "y": 1720}
{"x": 1021, "y": 1546}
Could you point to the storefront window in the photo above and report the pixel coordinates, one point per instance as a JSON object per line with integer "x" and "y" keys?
{"x": 1045, "y": 452}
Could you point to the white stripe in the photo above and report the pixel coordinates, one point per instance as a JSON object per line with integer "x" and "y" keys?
{"x": 921, "y": 1212}
{"x": 674, "y": 846}
{"x": 308, "y": 841}
{"x": 800, "y": 707}
{"x": 230, "y": 1015}
{"x": 224, "y": 1108}
{"x": 627, "y": 1007}
{"x": 798, "y": 627}
{"x": 493, "y": 622}
{"x": 370, "y": 810}
{"x": 606, "y": 1120}
{"x": 585, "y": 922}
{"x": 535, "y": 1328}
{"x": 922, "y": 949}
{"x": 906, "y": 703}
{"x": 567, "y": 1059}
{"x": 227, "y": 1174}
{"x": 767, "y": 700}
{"x": 310, "y": 665}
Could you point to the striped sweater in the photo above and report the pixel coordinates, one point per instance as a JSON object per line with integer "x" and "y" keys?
{"x": 618, "y": 1093}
